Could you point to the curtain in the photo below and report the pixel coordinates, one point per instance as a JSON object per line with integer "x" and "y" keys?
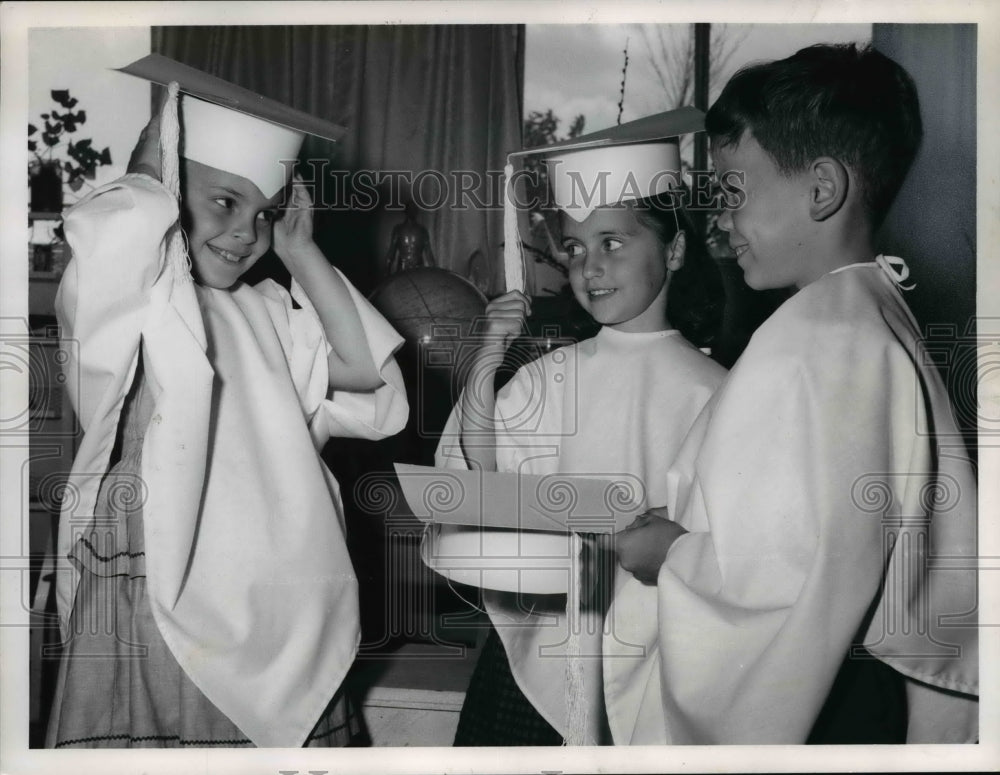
{"x": 932, "y": 223}
{"x": 424, "y": 99}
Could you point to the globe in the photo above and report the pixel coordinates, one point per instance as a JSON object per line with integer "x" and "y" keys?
{"x": 429, "y": 304}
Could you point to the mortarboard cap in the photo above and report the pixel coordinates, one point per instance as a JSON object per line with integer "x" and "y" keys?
{"x": 627, "y": 162}
{"x": 631, "y": 161}
{"x": 232, "y": 128}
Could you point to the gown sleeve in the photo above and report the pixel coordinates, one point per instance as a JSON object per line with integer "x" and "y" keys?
{"x": 330, "y": 413}
{"x": 774, "y": 544}
{"x": 117, "y": 238}
{"x": 808, "y": 467}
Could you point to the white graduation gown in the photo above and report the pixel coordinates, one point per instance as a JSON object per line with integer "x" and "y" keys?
{"x": 810, "y": 477}
{"x": 248, "y": 573}
{"x": 619, "y": 404}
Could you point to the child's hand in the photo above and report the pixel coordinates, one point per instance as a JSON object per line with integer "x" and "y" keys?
{"x": 145, "y": 157}
{"x": 505, "y": 317}
{"x": 642, "y": 546}
{"x": 293, "y": 231}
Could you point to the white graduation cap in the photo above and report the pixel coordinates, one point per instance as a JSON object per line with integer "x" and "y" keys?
{"x": 628, "y": 162}
{"x": 232, "y": 128}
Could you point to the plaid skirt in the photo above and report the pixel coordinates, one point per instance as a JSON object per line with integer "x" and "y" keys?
{"x": 495, "y": 711}
{"x": 119, "y": 686}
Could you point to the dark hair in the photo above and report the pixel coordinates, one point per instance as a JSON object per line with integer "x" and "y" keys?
{"x": 696, "y": 299}
{"x": 856, "y": 105}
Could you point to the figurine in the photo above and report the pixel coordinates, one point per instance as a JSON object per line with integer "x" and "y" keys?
{"x": 410, "y": 245}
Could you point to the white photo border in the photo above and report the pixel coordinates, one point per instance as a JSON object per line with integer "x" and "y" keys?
{"x": 18, "y": 18}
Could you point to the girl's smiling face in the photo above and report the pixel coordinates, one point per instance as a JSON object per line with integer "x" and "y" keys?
{"x": 227, "y": 221}
{"x": 618, "y": 269}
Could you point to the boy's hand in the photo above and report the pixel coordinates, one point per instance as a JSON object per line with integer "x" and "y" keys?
{"x": 145, "y": 157}
{"x": 642, "y": 546}
{"x": 505, "y": 317}
{"x": 293, "y": 231}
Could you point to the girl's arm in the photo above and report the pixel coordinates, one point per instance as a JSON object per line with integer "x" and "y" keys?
{"x": 350, "y": 361}
{"x": 145, "y": 159}
{"x": 505, "y": 317}
{"x": 116, "y": 236}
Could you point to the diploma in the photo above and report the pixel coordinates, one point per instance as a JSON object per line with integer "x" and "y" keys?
{"x": 557, "y": 503}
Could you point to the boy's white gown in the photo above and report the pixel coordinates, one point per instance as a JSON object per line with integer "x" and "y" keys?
{"x": 248, "y": 573}
{"x": 617, "y": 404}
{"x": 829, "y": 496}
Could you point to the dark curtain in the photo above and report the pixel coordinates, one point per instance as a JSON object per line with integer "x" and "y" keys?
{"x": 932, "y": 223}
{"x": 428, "y": 98}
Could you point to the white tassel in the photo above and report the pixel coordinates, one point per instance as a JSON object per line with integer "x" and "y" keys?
{"x": 576, "y": 697}
{"x": 178, "y": 263}
{"x": 513, "y": 258}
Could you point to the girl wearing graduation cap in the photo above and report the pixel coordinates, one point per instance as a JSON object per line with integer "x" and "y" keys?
{"x": 616, "y": 405}
{"x": 209, "y": 599}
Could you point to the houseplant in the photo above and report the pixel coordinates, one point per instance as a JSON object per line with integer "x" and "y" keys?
{"x": 58, "y": 162}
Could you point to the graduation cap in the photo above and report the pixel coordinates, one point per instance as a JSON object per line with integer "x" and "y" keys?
{"x": 628, "y": 162}
{"x": 232, "y": 128}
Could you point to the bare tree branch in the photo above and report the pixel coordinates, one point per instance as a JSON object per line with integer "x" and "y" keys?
{"x": 670, "y": 53}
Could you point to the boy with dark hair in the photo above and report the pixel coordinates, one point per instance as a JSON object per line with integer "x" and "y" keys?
{"x": 814, "y": 578}
{"x": 854, "y": 104}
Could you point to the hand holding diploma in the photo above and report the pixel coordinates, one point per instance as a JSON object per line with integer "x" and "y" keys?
{"x": 643, "y": 545}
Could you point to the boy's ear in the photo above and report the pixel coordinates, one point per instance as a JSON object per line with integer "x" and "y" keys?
{"x": 675, "y": 252}
{"x": 828, "y": 187}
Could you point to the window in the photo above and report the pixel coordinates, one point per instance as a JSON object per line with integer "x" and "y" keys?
{"x": 576, "y": 69}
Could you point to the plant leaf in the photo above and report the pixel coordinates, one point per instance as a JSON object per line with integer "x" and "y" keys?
{"x": 61, "y": 96}
{"x": 76, "y": 184}
{"x": 32, "y": 129}
{"x": 31, "y": 145}
{"x": 106, "y": 156}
